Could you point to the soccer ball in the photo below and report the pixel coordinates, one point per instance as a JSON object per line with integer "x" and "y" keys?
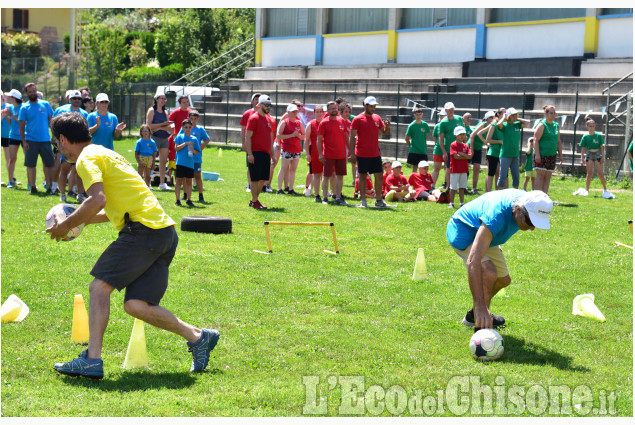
{"x": 61, "y": 211}
{"x": 486, "y": 344}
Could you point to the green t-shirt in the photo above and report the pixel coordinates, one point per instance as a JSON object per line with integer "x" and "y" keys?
{"x": 447, "y": 128}
{"x": 478, "y": 143}
{"x": 418, "y": 136}
{"x": 435, "y": 133}
{"x": 592, "y": 142}
{"x": 549, "y": 140}
{"x": 529, "y": 162}
{"x": 630, "y": 149}
{"x": 495, "y": 149}
{"x": 511, "y": 140}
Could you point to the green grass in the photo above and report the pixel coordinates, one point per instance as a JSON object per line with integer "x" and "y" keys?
{"x": 302, "y": 312}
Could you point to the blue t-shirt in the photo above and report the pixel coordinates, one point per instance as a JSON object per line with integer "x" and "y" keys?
{"x": 15, "y": 124}
{"x": 200, "y": 133}
{"x": 36, "y": 116}
{"x": 105, "y": 134}
{"x": 493, "y": 209}
{"x": 145, "y": 147}
{"x": 182, "y": 157}
{"x": 67, "y": 108}
{"x": 6, "y": 127}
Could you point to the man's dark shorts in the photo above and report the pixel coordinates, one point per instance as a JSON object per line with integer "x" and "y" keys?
{"x": 139, "y": 261}
{"x": 477, "y": 157}
{"x": 260, "y": 169}
{"x": 416, "y": 158}
{"x": 42, "y": 149}
{"x": 369, "y": 165}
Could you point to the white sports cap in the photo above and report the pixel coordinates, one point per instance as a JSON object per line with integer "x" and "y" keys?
{"x": 423, "y": 164}
{"x": 489, "y": 114}
{"x": 15, "y": 93}
{"x": 253, "y": 96}
{"x": 511, "y": 111}
{"x": 442, "y": 112}
{"x": 264, "y": 99}
{"x": 102, "y": 97}
{"x": 459, "y": 130}
{"x": 539, "y": 206}
{"x": 396, "y": 164}
{"x": 370, "y": 100}
{"x": 292, "y": 108}
{"x": 448, "y": 105}
{"x": 74, "y": 93}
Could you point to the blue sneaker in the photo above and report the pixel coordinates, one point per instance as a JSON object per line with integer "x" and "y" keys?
{"x": 82, "y": 366}
{"x": 202, "y": 348}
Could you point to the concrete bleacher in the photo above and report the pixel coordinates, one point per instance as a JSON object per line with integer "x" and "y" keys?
{"x": 396, "y": 98}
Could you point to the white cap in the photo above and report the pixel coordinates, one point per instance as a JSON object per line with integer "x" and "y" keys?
{"x": 539, "y": 206}
{"x": 264, "y": 99}
{"x": 459, "y": 130}
{"x": 68, "y": 93}
{"x": 489, "y": 114}
{"x": 74, "y": 93}
{"x": 15, "y": 93}
{"x": 442, "y": 112}
{"x": 370, "y": 100}
{"x": 396, "y": 164}
{"x": 423, "y": 164}
{"x": 292, "y": 108}
{"x": 253, "y": 96}
{"x": 448, "y": 105}
{"x": 511, "y": 111}
{"x": 101, "y": 97}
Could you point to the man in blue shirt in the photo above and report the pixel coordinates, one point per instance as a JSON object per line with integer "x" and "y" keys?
{"x": 476, "y": 232}
{"x": 35, "y": 116}
{"x": 104, "y": 125}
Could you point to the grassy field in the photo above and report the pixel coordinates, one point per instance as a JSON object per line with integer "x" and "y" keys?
{"x": 308, "y": 333}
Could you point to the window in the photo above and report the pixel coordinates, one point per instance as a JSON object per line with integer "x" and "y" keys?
{"x": 617, "y": 11}
{"x": 437, "y": 18}
{"x": 290, "y": 22}
{"x": 357, "y": 20}
{"x": 20, "y": 19}
{"x": 529, "y": 14}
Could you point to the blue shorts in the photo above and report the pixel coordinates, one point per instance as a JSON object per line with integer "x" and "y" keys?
{"x": 197, "y": 168}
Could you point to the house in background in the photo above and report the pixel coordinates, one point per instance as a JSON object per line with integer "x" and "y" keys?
{"x": 49, "y": 24}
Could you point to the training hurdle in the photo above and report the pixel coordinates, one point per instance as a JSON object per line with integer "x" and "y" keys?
{"x": 630, "y": 223}
{"x": 292, "y": 223}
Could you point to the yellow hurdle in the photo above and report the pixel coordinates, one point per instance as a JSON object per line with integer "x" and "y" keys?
{"x": 298, "y": 223}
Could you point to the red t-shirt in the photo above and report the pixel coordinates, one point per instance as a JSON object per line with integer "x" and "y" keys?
{"x": 334, "y": 137}
{"x": 420, "y": 183}
{"x": 392, "y": 180}
{"x": 178, "y": 115}
{"x": 458, "y": 166}
{"x": 293, "y": 144}
{"x": 367, "y": 145}
{"x": 246, "y": 115}
{"x": 261, "y": 137}
{"x": 314, "y": 134}
{"x": 369, "y": 183}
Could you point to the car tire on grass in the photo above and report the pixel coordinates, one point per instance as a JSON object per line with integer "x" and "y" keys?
{"x": 206, "y": 224}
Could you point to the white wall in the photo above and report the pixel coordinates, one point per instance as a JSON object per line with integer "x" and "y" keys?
{"x": 433, "y": 46}
{"x": 355, "y": 50}
{"x": 615, "y": 38}
{"x": 288, "y": 52}
{"x": 535, "y": 41}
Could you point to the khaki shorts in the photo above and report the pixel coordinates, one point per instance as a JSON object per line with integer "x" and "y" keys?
{"x": 146, "y": 161}
{"x": 493, "y": 254}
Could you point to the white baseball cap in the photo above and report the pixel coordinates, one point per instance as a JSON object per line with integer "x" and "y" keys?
{"x": 292, "y": 108}
{"x": 539, "y": 206}
{"x": 370, "y": 100}
{"x": 15, "y": 93}
{"x": 74, "y": 93}
{"x": 511, "y": 111}
{"x": 102, "y": 97}
{"x": 459, "y": 130}
{"x": 264, "y": 99}
{"x": 442, "y": 112}
{"x": 253, "y": 96}
{"x": 423, "y": 164}
{"x": 489, "y": 114}
{"x": 448, "y": 105}
{"x": 396, "y": 164}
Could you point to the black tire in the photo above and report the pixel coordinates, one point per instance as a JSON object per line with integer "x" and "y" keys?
{"x": 206, "y": 224}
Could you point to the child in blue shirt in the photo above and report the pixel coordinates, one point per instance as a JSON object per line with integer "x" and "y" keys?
{"x": 145, "y": 152}
{"x": 203, "y": 138}
{"x": 186, "y": 147}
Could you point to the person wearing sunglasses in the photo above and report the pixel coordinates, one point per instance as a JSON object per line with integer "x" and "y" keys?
{"x": 478, "y": 229}
{"x": 259, "y": 145}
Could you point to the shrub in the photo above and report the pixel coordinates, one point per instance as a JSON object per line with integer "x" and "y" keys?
{"x": 137, "y": 54}
{"x": 21, "y": 44}
{"x": 148, "y": 74}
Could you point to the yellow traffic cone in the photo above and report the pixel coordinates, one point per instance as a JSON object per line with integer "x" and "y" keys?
{"x": 220, "y": 152}
{"x": 80, "y": 333}
{"x": 13, "y": 309}
{"x": 420, "y": 271}
{"x": 584, "y": 305}
{"x": 136, "y": 356}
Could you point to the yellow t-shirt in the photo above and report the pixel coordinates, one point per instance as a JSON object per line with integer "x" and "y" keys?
{"x": 125, "y": 190}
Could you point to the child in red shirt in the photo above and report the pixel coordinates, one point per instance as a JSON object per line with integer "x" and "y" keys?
{"x": 459, "y": 155}
{"x": 370, "y": 192}
{"x": 421, "y": 183}
{"x": 398, "y": 187}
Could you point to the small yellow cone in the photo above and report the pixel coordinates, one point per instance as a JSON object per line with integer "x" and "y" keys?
{"x": 136, "y": 356}
{"x": 220, "y": 152}
{"x": 80, "y": 333}
{"x": 584, "y": 305}
{"x": 13, "y": 309}
{"x": 420, "y": 271}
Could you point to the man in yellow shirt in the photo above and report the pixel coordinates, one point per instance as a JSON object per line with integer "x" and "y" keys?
{"x": 138, "y": 261}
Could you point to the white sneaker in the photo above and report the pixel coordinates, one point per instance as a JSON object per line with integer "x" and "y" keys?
{"x": 163, "y": 186}
{"x": 63, "y": 198}
{"x": 362, "y": 204}
{"x": 451, "y": 205}
{"x": 607, "y": 195}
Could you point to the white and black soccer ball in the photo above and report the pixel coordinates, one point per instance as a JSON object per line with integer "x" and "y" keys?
{"x": 61, "y": 211}
{"x": 486, "y": 344}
